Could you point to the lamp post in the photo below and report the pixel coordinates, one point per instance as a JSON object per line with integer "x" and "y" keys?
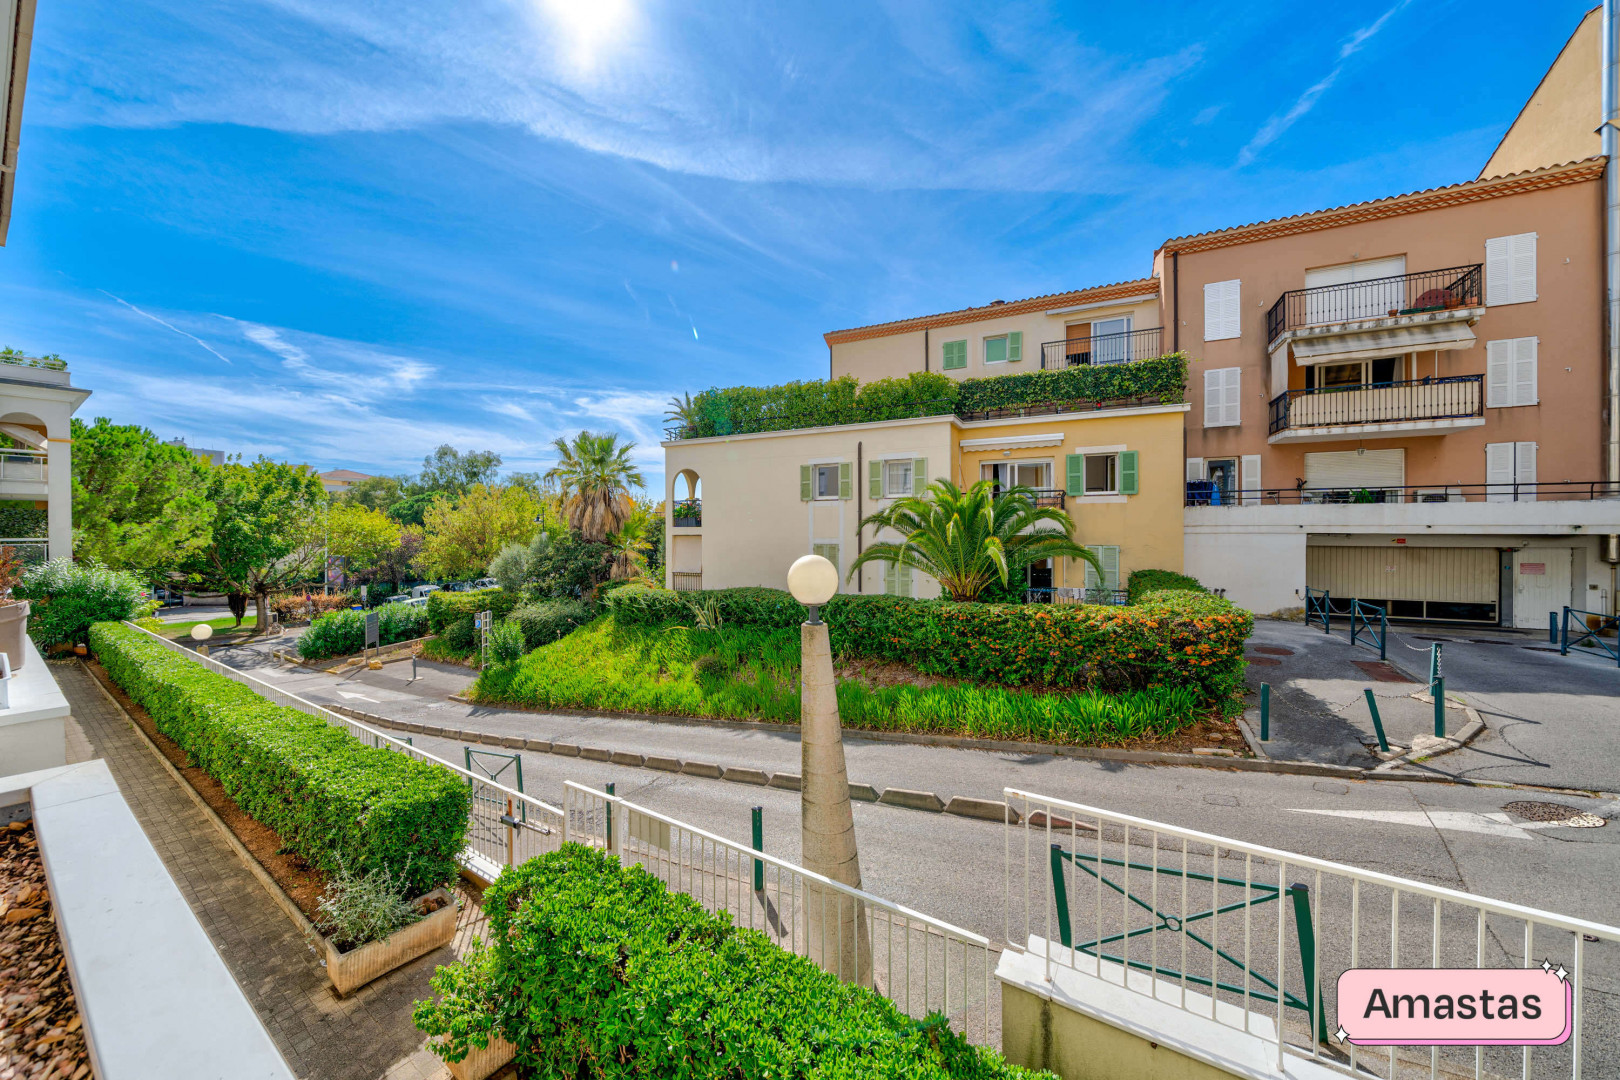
{"x": 836, "y": 925}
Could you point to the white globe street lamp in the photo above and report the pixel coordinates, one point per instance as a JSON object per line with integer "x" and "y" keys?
{"x": 838, "y": 935}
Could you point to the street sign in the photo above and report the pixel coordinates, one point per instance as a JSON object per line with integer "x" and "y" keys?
{"x": 362, "y": 594}
{"x": 372, "y": 635}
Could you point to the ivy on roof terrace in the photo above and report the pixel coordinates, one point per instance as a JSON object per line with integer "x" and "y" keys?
{"x": 741, "y": 410}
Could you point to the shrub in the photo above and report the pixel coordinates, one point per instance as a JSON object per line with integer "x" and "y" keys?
{"x": 649, "y": 605}
{"x": 67, "y": 597}
{"x": 444, "y": 608}
{"x": 293, "y": 606}
{"x": 1143, "y": 582}
{"x": 343, "y": 633}
{"x": 358, "y": 908}
{"x": 570, "y": 567}
{"x": 1164, "y": 379}
{"x": 819, "y": 402}
{"x": 461, "y": 635}
{"x": 505, "y": 642}
{"x": 334, "y": 801}
{"x": 548, "y": 620}
{"x": 510, "y": 568}
{"x": 591, "y": 963}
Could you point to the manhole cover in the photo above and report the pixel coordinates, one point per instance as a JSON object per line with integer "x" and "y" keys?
{"x": 1273, "y": 650}
{"x": 1556, "y": 813}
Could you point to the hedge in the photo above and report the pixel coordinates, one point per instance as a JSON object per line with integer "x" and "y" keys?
{"x": 1164, "y": 378}
{"x": 444, "y": 608}
{"x": 1170, "y": 638}
{"x": 598, "y": 970}
{"x": 548, "y": 620}
{"x": 334, "y": 801}
{"x": 67, "y": 597}
{"x": 343, "y": 633}
{"x": 1143, "y": 582}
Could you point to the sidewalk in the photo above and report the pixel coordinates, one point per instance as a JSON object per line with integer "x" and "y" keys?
{"x": 369, "y": 1035}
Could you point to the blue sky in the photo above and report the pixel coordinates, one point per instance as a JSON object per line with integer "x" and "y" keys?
{"x": 345, "y": 231}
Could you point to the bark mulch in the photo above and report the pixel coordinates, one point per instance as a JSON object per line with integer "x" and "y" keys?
{"x": 41, "y": 1032}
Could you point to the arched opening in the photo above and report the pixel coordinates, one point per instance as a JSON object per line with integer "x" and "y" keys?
{"x": 686, "y": 495}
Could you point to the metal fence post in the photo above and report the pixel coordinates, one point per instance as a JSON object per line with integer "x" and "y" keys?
{"x": 1307, "y": 960}
{"x": 1439, "y": 692}
{"x": 609, "y": 819}
{"x": 1563, "y": 633}
{"x": 1378, "y": 723}
{"x": 1265, "y": 712}
{"x": 1552, "y": 627}
{"x": 758, "y": 814}
{"x": 1383, "y": 633}
{"x": 1060, "y": 896}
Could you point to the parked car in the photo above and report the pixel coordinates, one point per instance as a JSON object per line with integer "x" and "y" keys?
{"x": 168, "y": 597}
{"x": 420, "y": 601}
{"x": 421, "y": 591}
{"x": 398, "y": 598}
{"x": 486, "y": 583}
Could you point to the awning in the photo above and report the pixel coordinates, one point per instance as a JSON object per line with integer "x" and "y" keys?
{"x": 1014, "y": 442}
{"x": 1372, "y": 344}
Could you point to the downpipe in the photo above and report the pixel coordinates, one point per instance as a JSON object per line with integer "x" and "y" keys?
{"x": 1611, "y": 220}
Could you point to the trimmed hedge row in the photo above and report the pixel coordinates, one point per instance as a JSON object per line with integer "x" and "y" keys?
{"x": 1169, "y": 638}
{"x": 1164, "y": 378}
{"x": 1143, "y": 582}
{"x": 343, "y": 633}
{"x": 334, "y": 801}
{"x": 599, "y": 970}
{"x": 444, "y": 608}
{"x": 548, "y": 620}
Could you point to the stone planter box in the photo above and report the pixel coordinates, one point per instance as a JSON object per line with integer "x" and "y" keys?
{"x": 480, "y": 1064}
{"x": 351, "y": 970}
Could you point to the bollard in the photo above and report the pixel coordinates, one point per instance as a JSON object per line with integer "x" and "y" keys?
{"x": 1265, "y": 712}
{"x": 1552, "y": 627}
{"x": 1378, "y": 723}
{"x": 609, "y": 807}
{"x": 1439, "y": 691}
{"x": 759, "y": 845}
{"x": 413, "y": 667}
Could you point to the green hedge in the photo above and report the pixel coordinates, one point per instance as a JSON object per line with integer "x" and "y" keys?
{"x": 1143, "y": 582}
{"x": 600, "y": 971}
{"x": 334, "y": 801}
{"x": 647, "y": 605}
{"x": 444, "y": 608}
{"x": 548, "y": 620}
{"x": 66, "y": 597}
{"x": 343, "y": 633}
{"x": 1164, "y": 378}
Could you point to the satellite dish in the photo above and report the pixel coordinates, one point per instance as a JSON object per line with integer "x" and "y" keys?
{"x": 201, "y": 632}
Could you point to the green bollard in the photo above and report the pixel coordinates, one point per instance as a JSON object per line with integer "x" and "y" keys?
{"x": 759, "y": 845}
{"x": 1439, "y": 692}
{"x": 610, "y": 820}
{"x": 1265, "y": 712}
{"x": 1378, "y": 723}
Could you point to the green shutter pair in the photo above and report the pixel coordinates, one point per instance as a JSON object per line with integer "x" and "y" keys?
{"x": 876, "y": 485}
{"x": 807, "y": 481}
{"x": 1126, "y": 478}
{"x": 1108, "y": 555}
{"x": 955, "y": 353}
{"x": 896, "y": 579}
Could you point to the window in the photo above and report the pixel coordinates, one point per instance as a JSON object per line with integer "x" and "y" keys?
{"x": 896, "y": 478}
{"x": 1508, "y": 465}
{"x": 1004, "y": 348}
{"x": 1366, "y": 288}
{"x": 828, "y": 551}
{"x": 1102, "y": 474}
{"x": 954, "y": 355}
{"x": 1223, "y": 316}
{"x": 1223, "y": 474}
{"x": 828, "y": 481}
{"x": 1356, "y": 373}
{"x": 1223, "y": 397}
{"x": 1108, "y": 555}
{"x": 1110, "y": 341}
{"x": 897, "y": 580}
{"x": 1510, "y": 269}
{"x": 1030, "y": 474}
{"x": 1510, "y": 372}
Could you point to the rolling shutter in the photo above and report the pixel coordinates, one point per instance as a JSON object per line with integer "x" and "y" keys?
{"x": 846, "y": 480}
{"x": 806, "y": 483}
{"x": 1352, "y": 470}
{"x": 1074, "y": 466}
{"x": 955, "y": 355}
{"x": 874, "y": 484}
{"x": 1510, "y": 269}
{"x": 1223, "y": 310}
{"x": 1127, "y": 472}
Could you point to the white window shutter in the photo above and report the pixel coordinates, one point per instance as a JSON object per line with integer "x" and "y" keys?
{"x": 1499, "y": 471}
{"x": 1498, "y": 374}
{"x": 1524, "y": 469}
{"x": 1250, "y": 479}
{"x": 1232, "y": 413}
{"x": 1223, "y": 315}
{"x": 1214, "y": 380}
{"x": 1522, "y": 253}
{"x": 1195, "y": 468}
{"x": 1524, "y": 371}
{"x": 1510, "y": 269}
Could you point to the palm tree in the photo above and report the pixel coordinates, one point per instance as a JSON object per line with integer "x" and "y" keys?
{"x": 594, "y": 474}
{"x": 630, "y": 544}
{"x": 682, "y": 411}
{"x": 967, "y": 540}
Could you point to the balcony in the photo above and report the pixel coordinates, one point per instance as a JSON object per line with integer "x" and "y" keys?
{"x": 1102, "y": 349}
{"x": 1400, "y": 297}
{"x": 1053, "y": 497}
{"x": 22, "y": 466}
{"x": 688, "y": 514}
{"x": 1416, "y": 407}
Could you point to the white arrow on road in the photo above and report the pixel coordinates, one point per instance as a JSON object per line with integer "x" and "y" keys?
{"x": 358, "y": 697}
{"x": 1496, "y": 824}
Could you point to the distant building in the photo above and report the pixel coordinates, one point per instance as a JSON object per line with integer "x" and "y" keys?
{"x": 340, "y": 480}
{"x": 213, "y": 457}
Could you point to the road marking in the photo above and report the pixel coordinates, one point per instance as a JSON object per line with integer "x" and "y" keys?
{"x": 1495, "y": 824}
{"x": 358, "y": 697}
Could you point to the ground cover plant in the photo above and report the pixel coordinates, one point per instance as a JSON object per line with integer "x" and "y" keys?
{"x": 343, "y": 633}
{"x": 334, "y": 801}
{"x": 598, "y": 971}
{"x": 751, "y": 673}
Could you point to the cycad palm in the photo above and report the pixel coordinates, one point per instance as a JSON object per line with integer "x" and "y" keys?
{"x": 968, "y": 540}
{"x": 594, "y": 475}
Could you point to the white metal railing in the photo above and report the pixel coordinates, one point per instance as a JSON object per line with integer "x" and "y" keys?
{"x": 922, "y": 964}
{"x": 1255, "y": 938}
{"x": 28, "y": 550}
{"x": 22, "y": 465}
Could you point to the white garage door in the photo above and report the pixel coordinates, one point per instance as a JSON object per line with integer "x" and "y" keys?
{"x": 1452, "y": 584}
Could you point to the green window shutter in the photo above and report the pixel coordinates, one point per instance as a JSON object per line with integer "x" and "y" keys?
{"x": 874, "y": 487}
{"x": 890, "y": 579}
{"x": 955, "y": 355}
{"x": 826, "y": 551}
{"x": 1127, "y": 472}
{"x": 904, "y": 581}
{"x": 1015, "y": 346}
{"x": 1108, "y": 555}
{"x": 846, "y": 482}
{"x": 1075, "y": 467}
{"x": 919, "y": 475}
{"x": 806, "y": 483}
{"x": 995, "y": 350}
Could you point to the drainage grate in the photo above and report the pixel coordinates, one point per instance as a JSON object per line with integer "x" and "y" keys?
{"x": 1556, "y": 813}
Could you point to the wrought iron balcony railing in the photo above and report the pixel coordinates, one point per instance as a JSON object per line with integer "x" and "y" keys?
{"x": 1119, "y": 348}
{"x": 1400, "y": 294}
{"x": 1451, "y": 398}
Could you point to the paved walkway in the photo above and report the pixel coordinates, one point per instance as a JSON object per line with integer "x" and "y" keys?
{"x": 367, "y": 1036}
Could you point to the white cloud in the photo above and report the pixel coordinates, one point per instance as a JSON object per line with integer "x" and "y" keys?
{"x": 167, "y": 325}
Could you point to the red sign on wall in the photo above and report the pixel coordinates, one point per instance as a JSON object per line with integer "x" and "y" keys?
{"x": 1532, "y": 568}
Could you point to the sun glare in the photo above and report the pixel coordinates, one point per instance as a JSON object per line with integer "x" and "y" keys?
{"x": 588, "y": 29}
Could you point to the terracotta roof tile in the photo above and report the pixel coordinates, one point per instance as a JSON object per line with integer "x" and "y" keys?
{"x": 1118, "y": 290}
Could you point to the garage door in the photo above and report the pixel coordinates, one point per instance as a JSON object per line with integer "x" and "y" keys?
{"x": 1451, "y": 584}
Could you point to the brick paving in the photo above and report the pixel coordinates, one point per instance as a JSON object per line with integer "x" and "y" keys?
{"x": 367, "y": 1036}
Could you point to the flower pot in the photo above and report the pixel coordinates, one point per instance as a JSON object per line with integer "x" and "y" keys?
{"x": 13, "y": 627}
{"x": 81, "y": 650}
{"x": 351, "y": 970}
{"x": 479, "y": 1064}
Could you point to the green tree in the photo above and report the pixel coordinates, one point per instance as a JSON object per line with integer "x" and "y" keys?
{"x": 138, "y": 503}
{"x": 594, "y": 476}
{"x": 631, "y": 544}
{"x": 461, "y": 538}
{"x": 569, "y": 567}
{"x": 374, "y": 492}
{"x": 268, "y": 532}
{"x": 970, "y": 541}
{"x": 361, "y": 537}
{"x": 448, "y": 469}
{"x": 412, "y": 509}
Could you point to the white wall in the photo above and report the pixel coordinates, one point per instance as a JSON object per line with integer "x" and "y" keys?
{"x": 1264, "y": 572}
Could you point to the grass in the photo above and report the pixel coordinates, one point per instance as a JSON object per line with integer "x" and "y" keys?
{"x": 752, "y": 674}
{"x": 225, "y": 623}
